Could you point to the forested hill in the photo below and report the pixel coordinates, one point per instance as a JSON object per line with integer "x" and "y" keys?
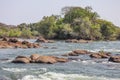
{"x": 73, "y": 23}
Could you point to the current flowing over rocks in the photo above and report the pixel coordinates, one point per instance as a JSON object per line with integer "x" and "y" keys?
{"x": 36, "y": 58}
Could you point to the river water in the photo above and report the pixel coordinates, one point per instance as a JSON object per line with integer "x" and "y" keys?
{"x": 88, "y": 69}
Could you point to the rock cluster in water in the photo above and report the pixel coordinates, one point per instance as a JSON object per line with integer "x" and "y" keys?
{"x": 98, "y": 55}
{"x": 36, "y": 58}
{"x": 43, "y": 40}
{"x": 15, "y": 43}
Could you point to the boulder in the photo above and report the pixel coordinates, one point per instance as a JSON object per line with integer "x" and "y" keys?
{"x": 114, "y": 59}
{"x": 25, "y": 42}
{"x": 5, "y": 39}
{"x": 58, "y": 59}
{"x": 81, "y": 52}
{"x": 100, "y": 55}
{"x": 41, "y": 39}
{"x": 21, "y": 59}
{"x": 76, "y": 53}
{"x": 46, "y": 59}
{"x": 13, "y": 40}
{"x": 95, "y": 55}
{"x": 14, "y": 43}
{"x": 70, "y": 54}
{"x": 34, "y": 56}
{"x": 62, "y": 60}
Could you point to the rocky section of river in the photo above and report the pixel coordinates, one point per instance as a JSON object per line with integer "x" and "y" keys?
{"x": 15, "y": 43}
{"x": 36, "y": 58}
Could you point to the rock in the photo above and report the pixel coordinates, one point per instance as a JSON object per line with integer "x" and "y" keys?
{"x": 114, "y": 59}
{"x": 46, "y": 59}
{"x": 25, "y": 42}
{"x": 14, "y": 43}
{"x": 73, "y": 54}
{"x": 95, "y": 55}
{"x": 81, "y": 52}
{"x": 13, "y": 40}
{"x": 41, "y": 39}
{"x": 34, "y": 56}
{"x": 76, "y": 53}
{"x": 100, "y": 55}
{"x": 72, "y": 41}
{"x": 63, "y": 60}
{"x": 5, "y": 39}
{"x": 21, "y": 59}
{"x": 36, "y": 46}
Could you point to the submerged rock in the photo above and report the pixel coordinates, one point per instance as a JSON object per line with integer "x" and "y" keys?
{"x": 45, "y": 59}
{"x": 114, "y": 59}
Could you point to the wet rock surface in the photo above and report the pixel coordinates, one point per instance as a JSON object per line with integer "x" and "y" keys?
{"x": 115, "y": 59}
{"x": 36, "y": 58}
{"x": 15, "y": 43}
{"x": 43, "y": 40}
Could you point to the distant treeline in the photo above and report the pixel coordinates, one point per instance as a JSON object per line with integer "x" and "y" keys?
{"x": 73, "y": 23}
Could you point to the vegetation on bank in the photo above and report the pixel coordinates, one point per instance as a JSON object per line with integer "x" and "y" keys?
{"x": 73, "y": 23}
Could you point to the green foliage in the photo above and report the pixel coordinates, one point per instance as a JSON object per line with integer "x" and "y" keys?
{"x": 75, "y": 23}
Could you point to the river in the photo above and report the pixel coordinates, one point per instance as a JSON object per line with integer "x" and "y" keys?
{"x": 88, "y": 69}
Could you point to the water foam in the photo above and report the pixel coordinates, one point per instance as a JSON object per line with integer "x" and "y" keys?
{"x": 15, "y": 69}
{"x": 60, "y": 76}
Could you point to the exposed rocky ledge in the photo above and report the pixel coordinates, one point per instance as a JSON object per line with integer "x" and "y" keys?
{"x": 15, "y": 43}
{"x": 36, "y": 58}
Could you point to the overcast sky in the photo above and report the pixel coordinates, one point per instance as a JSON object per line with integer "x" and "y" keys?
{"x": 30, "y": 11}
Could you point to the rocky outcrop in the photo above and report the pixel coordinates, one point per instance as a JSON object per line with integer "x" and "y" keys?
{"x": 15, "y": 43}
{"x": 36, "y": 58}
{"x": 76, "y": 53}
{"x": 21, "y": 59}
{"x": 77, "y": 41}
{"x": 100, "y": 55}
{"x": 114, "y": 59}
{"x": 45, "y": 59}
{"x": 43, "y": 40}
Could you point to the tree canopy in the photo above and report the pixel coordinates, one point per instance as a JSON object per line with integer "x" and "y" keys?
{"x": 73, "y": 23}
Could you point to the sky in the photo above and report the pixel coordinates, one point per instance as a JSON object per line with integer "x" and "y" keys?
{"x": 14, "y": 12}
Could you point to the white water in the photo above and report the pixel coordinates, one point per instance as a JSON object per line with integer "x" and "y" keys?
{"x": 60, "y": 76}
